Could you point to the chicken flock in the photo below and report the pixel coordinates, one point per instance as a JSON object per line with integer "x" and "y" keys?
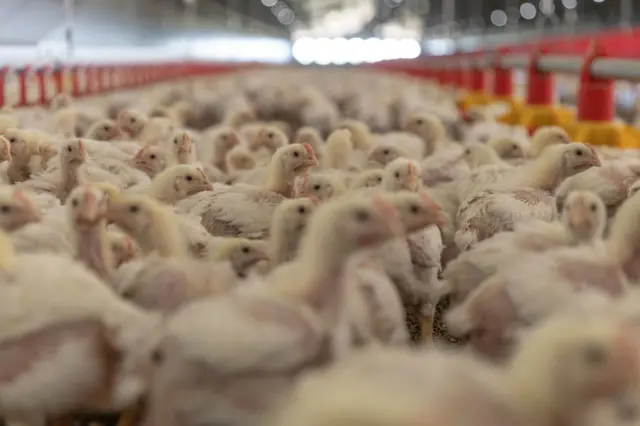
{"x": 294, "y": 247}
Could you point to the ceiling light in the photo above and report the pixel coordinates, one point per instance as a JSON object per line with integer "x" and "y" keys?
{"x": 499, "y": 18}
{"x": 528, "y": 11}
{"x": 269, "y": 3}
{"x": 286, "y": 16}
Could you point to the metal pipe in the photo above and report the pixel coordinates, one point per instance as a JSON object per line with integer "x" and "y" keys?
{"x": 68, "y": 27}
{"x": 517, "y": 61}
{"x": 604, "y": 68}
{"x": 616, "y": 69}
{"x": 559, "y": 63}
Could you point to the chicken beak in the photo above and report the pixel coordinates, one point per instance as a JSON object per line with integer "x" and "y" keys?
{"x": 312, "y": 160}
{"x": 185, "y": 144}
{"x": 595, "y": 159}
{"x": 440, "y": 219}
{"x": 435, "y": 211}
{"x": 90, "y": 211}
{"x": 578, "y": 220}
{"x": 129, "y": 251}
{"x": 207, "y": 185}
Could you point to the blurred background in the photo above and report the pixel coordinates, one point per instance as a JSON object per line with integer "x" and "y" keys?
{"x": 321, "y": 32}
{"x": 306, "y": 32}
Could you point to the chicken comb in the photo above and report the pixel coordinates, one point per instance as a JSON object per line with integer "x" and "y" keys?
{"x": 186, "y": 139}
{"x": 81, "y": 146}
{"x": 140, "y": 152}
{"x": 128, "y": 244}
{"x": 89, "y": 196}
{"x": 309, "y": 150}
{"x": 202, "y": 173}
{"x": 412, "y": 169}
{"x": 6, "y": 147}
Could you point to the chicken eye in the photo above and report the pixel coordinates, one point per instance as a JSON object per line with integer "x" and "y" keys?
{"x": 5, "y": 209}
{"x": 593, "y": 207}
{"x": 302, "y": 210}
{"x": 128, "y": 294}
{"x": 245, "y": 249}
{"x": 106, "y": 128}
{"x": 316, "y": 187}
{"x": 514, "y": 147}
{"x": 270, "y": 135}
{"x": 467, "y": 151}
{"x": 385, "y": 152}
{"x": 12, "y": 140}
{"x": 176, "y": 141}
{"x": 134, "y": 208}
{"x": 397, "y": 175}
{"x": 153, "y": 156}
{"x": 419, "y": 121}
{"x": 414, "y": 208}
{"x": 595, "y": 355}
{"x": 69, "y": 149}
{"x": 295, "y": 154}
{"x": 157, "y": 356}
{"x": 188, "y": 178}
{"x": 132, "y": 120}
{"x": 362, "y": 215}
{"x": 627, "y": 412}
{"x": 75, "y": 202}
{"x": 579, "y": 152}
{"x": 379, "y": 179}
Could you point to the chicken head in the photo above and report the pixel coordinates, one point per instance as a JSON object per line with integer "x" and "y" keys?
{"x": 368, "y": 179}
{"x": 295, "y": 159}
{"x": 182, "y": 143}
{"x": 508, "y": 148}
{"x": 546, "y": 136}
{"x": 383, "y": 154}
{"x": 189, "y": 180}
{"x": 151, "y": 160}
{"x": 242, "y": 253}
{"x": 87, "y": 205}
{"x": 417, "y": 210}
{"x": 134, "y": 215}
{"x": 270, "y": 137}
{"x": 104, "y": 130}
{"x": 131, "y": 122}
{"x": 584, "y": 214}
{"x": 17, "y": 210}
{"x": 321, "y": 186}
{"x": 402, "y": 174}
{"x": 73, "y": 153}
{"x": 578, "y": 157}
